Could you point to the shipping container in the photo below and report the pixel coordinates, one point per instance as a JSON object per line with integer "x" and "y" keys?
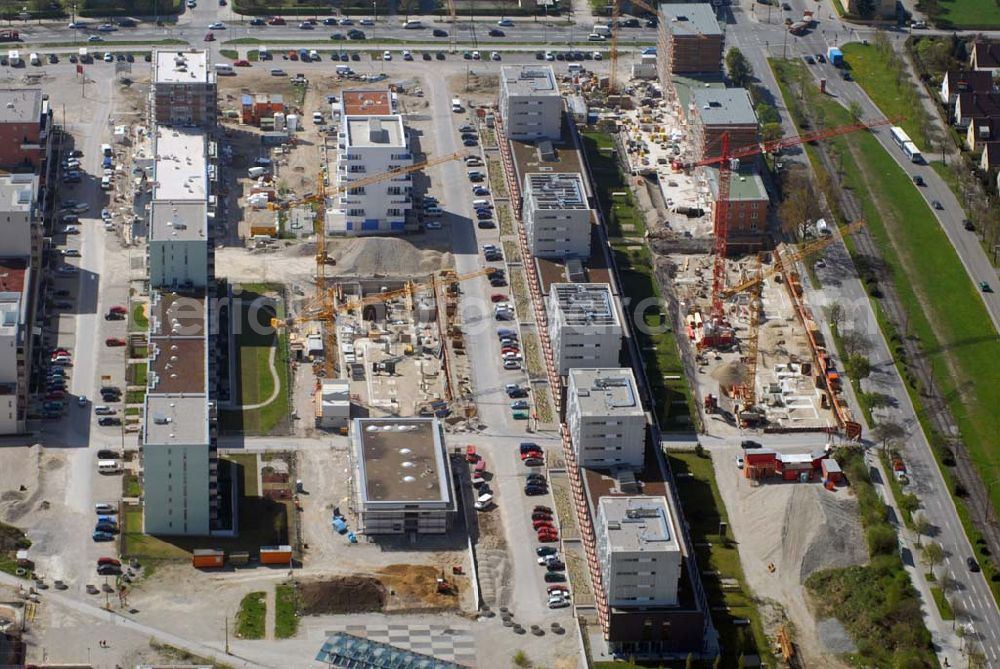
{"x": 239, "y": 558}
{"x": 275, "y": 554}
{"x": 208, "y": 558}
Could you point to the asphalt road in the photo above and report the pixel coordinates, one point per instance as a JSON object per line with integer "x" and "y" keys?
{"x": 760, "y": 40}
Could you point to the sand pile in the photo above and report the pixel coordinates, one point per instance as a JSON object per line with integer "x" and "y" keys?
{"x": 817, "y": 529}
{"x": 387, "y": 256}
{"x": 342, "y": 594}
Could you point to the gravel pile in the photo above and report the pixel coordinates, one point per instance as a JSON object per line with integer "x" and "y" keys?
{"x": 820, "y": 531}
{"x": 387, "y": 256}
{"x": 834, "y": 637}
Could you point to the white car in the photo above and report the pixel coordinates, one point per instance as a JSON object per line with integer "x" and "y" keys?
{"x": 545, "y": 559}
{"x": 549, "y": 56}
{"x": 191, "y": 4}
{"x": 386, "y": 55}
{"x": 108, "y": 57}
{"x": 218, "y": 25}
{"x": 476, "y": 55}
{"x": 511, "y": 364}
{"x": 597, "y": 55}
{"x": 107, "y": 28}
{"x": 494, "y": 55}
{"x": 506, "y": 23}
{"x": 433, "y": 225}
{"x": 739, "y": 462}
{"x": 72, "y": 230}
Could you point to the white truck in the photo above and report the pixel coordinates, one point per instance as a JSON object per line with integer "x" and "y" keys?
{"x": 602, "y": 30}
{"x": 14, "y": 58}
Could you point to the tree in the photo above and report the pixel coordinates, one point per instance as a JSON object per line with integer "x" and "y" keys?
{"x": 520, "y": 659}
{"x": 866, "y": 8}
{"x": 858, "y": 367}
{"x": 770, "y": 132}
{"x": 887, "y": 432}
{"x": 856, "y": 342}
{"x": 766, "y": 114}
{"x": 878, "y": 400}
{"x": 800, "y": 206}
{"x": 835, "y": 314}
{"x": 909, "y": 503}
{"x": 738, "y": 68}
{"x": 921, "y": 526}
{"x": 933, "y": 554}
{"x": 856, "y": 111}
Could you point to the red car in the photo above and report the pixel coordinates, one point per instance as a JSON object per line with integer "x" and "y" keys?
{"x": 548, "y": 537}
{"x": 108, "y": 560}
{"x": 498, "y": 297}
{"x": 531, "y": 454}
{"x": 542, "y": 524}
{"x": 276, "y": 21}
{"x": 115, "y": 341}
{"x": 509, "y": 349}
{"x": 56, "y": 395}
{"x": 118, "y": 309}
{"x": 241, "y": 63}
{"x": 209, "y": 37}
{"x": 59, "y": 351}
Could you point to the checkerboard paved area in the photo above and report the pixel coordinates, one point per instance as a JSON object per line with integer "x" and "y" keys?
{"x": 452, "y": 644}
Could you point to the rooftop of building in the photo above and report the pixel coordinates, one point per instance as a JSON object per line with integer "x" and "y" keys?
{"x": 375, "y": 131}
{"x": 20, "y": 105}
{"x": 401, "y": 460}
{"x": 969, "y": 80}
{"x": 179, "y": 314}
{"x": 690, "y": 19}
{"x": 556, "y": 191}
{"x": 365, "y": 103}
{"x": 606, "y": 392}
{"x": 181, "y": 67}
{"x": 180, "y": 166}
{"x": 13, "y": 278}
{"x": 178, "y": 347}
{"x": 987, "y": 52}
{"x": 638, "y": 524}
{"x": 723, "y": 106}
{"x": 176, "y": 419}
{"x": 585, "y": 303}
{"x": 686, "y": 85}
{"x": 745, "y": 183}
{"x": 178, "y": 221}
{"x": 973, "y": 104}
{"x": 533, "y": 80}
{"x": 17, "y": 191}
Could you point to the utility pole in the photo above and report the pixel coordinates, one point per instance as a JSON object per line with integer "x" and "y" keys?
{"x": 227, "y": 620}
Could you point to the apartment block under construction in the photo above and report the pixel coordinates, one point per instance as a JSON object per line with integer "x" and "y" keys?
{"x": 690, "y": 41}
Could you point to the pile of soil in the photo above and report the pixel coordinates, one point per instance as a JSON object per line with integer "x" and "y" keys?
{"x": 342, "y": 594}
{"x": 387, "y": 256}
{"x": 414, "y": 587}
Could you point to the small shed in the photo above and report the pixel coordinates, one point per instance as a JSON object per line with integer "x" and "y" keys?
{"x": 831, "y": 470}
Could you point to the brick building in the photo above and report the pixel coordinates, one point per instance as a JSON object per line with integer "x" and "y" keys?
{"x": 25, "y": 129}
{"x": 713, "y": 112}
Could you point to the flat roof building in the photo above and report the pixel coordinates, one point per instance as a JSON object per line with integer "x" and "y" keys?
{"x": 584, "y": 326}
{"x": 371, "y": 145}
{"x": 531, "y": 107}
{"x": 178, "y": 252}
{"x": 367, "y": 103}
{"x": 25, "y": 128}
{"x": 689, "y": 41}
{"x": 180, "y": 166}
{"x": 183, "y": 90}
{"x": 557, "y": 217}
{"x": 639, "y": 551}
{"x": 403, "y": 476}
{"x": 748, "y": 201}
{"x": 20, "y": 216}
{"x": 713, "y": 112}
{"x": 605, "y": 417}
{"x": 16, "y": 318}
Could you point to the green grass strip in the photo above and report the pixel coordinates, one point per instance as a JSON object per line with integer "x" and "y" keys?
{"x": 286, "y": 614}
{"x": 250, "y": 617}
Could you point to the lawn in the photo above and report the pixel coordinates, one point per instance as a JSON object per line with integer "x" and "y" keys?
{"x": 130, "y": 485}
{"x": 286, "y": 611}
{"x": 256, "y": 342}
{"x": 961, "y": 347}
{"x": 138, "y": 374}
{"x": 247, "y": 463}
{"x": 250, "y": 617}
{"x": 968, "y": 14}
{"x": 661, "y": 357}
{"x": 874, "y": 71}
{"x": 943, "y": 605}
{"x": 718, "y": 559}
{"x": 139, "y": 321}
{"x": 231, "y": 54}
{"x": 11, "y": 539}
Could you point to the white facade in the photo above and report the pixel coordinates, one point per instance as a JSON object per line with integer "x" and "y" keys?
{"x": 584, "y": 326}
{"x": 335, "y": 404}
{"x": 176, "y": 490}
{"x": 370, "y": 146}
{"x": 530, "y": 104}
{"x": 556, "y": 215}
{"x": 638, "y": 551}
{"x": 178, "y": 252}
{"x": 18, "y": 225}
{"x": 605, "y": 417}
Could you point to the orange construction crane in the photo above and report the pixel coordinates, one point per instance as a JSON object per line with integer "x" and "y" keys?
{"x": 747, "y": 391}
{"x": 717, "y": 331}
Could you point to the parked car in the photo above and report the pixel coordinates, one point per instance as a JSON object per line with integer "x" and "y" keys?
{"x": 542, "y": 509}
{"x": 106, "y": 527}
{"x": 534, "y": 490}
{"x": 555, "y": 577}
{"x": 115, "y": 341}
{"x": 109, "y": 421}
{"x": 937, "y": 204}
{"x": 102, "y": 536}
{"x": 542, "y": 551}
{"x": 556, "y": 565}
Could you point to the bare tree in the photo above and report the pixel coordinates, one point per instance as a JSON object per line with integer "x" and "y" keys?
{"x": 835, "y": 314}
{"x": 856, "y": 342}
{"x": 921, "y": 526}
{"x": 888, "y": 432}
{"x": 933, "y": 555}
{"x": 800, "y": 206}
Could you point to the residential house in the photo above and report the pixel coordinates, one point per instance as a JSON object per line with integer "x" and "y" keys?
{"x": 964, "y": 81}
{"x": 975, "y": 105}
{"x": 985, "y": 55}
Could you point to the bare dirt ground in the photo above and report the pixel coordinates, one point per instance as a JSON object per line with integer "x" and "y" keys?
{"x": 800, "y": 529}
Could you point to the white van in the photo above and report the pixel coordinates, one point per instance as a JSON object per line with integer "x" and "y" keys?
{"x": 479, "y": 204}
{"x": 574, "y": 68}
{"x": 108, "y": 466}
{"x": 256, "y": 172}
{"x": 483, "y": 502}
{"x": 601, "y": 29}
{"x": 823, "y": 228}
{"x": 314, "y": 55}
{"x": 413, "y": 25}
{"x": 456, "y": 105}
{"x": 34, "y": 59}
{"x": 343, "y": 70}
{"x": 224, "y": 68}
{"x": 14, "y": 58}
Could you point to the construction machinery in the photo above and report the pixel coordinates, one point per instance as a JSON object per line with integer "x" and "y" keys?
{"x": 718, "y": 333}
{"x": 747, "y": 391}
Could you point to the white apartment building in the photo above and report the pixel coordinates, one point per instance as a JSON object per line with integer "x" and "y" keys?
{"x": 605, "y": 417}
{"x": 638, "y": 550}
{"x": 556, "y": 215}
{"x": 184, "y": 89}
{"x": 178, "y": 252}
{"x": 20, "y": 228}
{"x": 178, "y": 463}
{"x": 16, "y": 283}
{"x": 368, "y": 146}
{"x": 530, "y": 104}
{"x": 584, "y": 326}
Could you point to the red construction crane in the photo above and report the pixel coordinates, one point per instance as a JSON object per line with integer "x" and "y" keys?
{"x": 717, "y": 333}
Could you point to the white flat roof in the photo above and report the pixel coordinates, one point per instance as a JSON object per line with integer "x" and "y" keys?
{"x": 371, "y": 131}
{"x": 606, "y": 392}
{"x": 180, "y": 166}
{"x": 636, "y": 524}
{"x": 17, "y": 191}
{"x": 177, "y": 419}
{"x": 585, "y": 303}
{"x": 185, "y": 221}
{"x": 180, "y": 67}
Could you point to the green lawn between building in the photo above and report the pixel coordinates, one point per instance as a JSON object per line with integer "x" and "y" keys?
{"x": 958, "y": 14}
{"x": 945, "y": 311}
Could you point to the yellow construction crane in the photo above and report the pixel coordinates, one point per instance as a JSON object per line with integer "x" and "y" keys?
{"x": 454, "y": 24}
{"x": 754, "y": 285}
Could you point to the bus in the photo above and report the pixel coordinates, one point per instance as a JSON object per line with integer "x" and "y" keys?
{"x": 905, "y": 144}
